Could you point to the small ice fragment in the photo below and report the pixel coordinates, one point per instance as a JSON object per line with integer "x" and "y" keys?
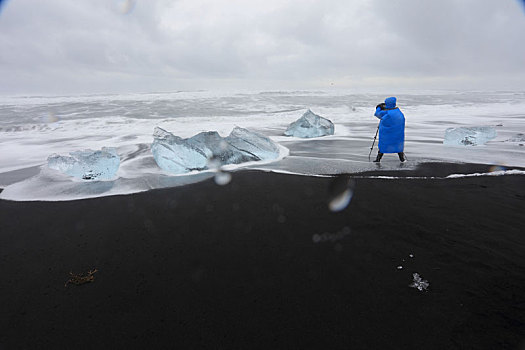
{"x": 400, "y": 267}
{"x": 517, "y": 138}
{"x": 411, "y": 255}
{"x": 419, "y": 283}
{"x": 310, "y": 125}
{"x": 469, "y": 136}
{"x": 88, "y": 164}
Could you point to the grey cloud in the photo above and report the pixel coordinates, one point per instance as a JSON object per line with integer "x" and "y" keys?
{"x": 458, "y": 36}
{"x": 89, "y": 45}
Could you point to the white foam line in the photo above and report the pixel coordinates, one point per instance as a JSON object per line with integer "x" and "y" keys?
{"x": 329, "y": 159}
{"x": 494, "y": 173}
{"x": 451, "y": 176}
{"x": 384, "y": 177}
{"x": 279, "y": 171}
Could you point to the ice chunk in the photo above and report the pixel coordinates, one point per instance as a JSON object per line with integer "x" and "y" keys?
{"x": 251, "y": 145}
{"x": 212, "y": 144}
{"x": 87, "y": 164}
{"x": 419, "y": 283}
{"x": 469, "y": 136}
{"x": 175, "y": 154}
{"x": 209, "y": 150}
{"x": 310, "y": 125}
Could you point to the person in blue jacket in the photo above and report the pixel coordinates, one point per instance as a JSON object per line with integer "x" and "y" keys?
{"x": 391, "y": 129}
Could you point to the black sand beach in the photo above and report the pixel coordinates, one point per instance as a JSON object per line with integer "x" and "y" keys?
{"x": 262, "y": 263}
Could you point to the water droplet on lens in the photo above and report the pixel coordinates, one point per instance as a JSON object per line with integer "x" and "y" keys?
{"x": 124, "y": 6}
{"x": 341, "y": 202}
{"x": 223, "y": 145}
{"x": 49, "y": 118}
{"x": 222, "y": 178}
{"x": 495, "y": 168}
{"x": 214, "y": 163}
{"x": 341, "y": 191}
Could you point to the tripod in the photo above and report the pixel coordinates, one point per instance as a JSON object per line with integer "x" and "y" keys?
{"x": 371, "y": 148}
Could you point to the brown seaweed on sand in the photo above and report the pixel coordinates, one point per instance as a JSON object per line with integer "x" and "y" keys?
{"x": 79, "y": 279}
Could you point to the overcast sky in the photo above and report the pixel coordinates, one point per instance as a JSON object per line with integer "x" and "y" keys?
{"x": 90, "y": 46}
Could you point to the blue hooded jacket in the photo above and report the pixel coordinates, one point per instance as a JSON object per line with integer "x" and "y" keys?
{"x": 391, "y": 127}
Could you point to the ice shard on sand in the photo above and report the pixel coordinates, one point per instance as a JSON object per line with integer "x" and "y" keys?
{"x": 469, "y": 136}
{"x": 310, "y": 125}
{"x": 87, "y": 164}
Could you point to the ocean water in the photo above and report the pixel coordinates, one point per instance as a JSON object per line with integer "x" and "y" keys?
{"x": 34, "y": 127}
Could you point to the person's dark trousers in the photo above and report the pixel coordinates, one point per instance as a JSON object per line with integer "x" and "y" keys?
{"x": 401, "y": 156}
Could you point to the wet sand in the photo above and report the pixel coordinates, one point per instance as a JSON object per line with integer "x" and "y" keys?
{"x": 262, "y": 263}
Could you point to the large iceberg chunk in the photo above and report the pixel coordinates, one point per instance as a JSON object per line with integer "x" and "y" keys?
{"x": 469, "y": 136}
{"x": 251, "y": 145}
{"x": 310, "y": 125}
{"x": 177, "y": 155}
{"x": 87, "y": 164}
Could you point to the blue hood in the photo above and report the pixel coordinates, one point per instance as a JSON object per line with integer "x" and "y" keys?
{"x": 390, "y": 102}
